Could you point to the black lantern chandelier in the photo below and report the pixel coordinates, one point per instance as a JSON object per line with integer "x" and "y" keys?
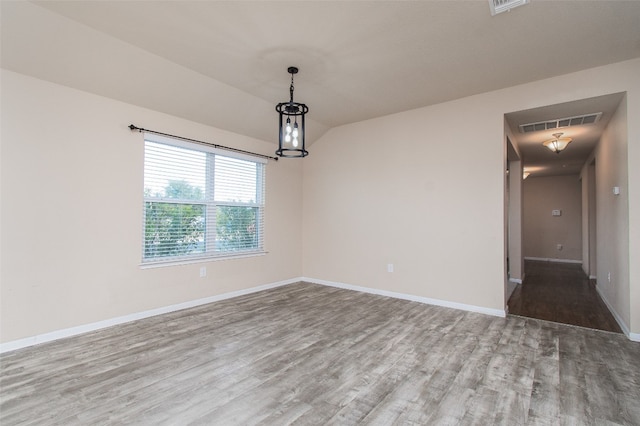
{"x": 292, "y": 125}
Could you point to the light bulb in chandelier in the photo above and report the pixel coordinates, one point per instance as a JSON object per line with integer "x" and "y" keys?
{"x": 295, "y": 134}
{"x": 287, "y": 131}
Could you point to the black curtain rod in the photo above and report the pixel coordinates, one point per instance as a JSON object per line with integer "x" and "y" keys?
{"x": 241, "y": 151}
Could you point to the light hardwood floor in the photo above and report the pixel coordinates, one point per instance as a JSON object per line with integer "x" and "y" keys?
{"x": 310, "y": 354}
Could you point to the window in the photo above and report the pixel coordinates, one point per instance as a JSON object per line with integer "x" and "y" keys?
{"x": 200, "y": 202}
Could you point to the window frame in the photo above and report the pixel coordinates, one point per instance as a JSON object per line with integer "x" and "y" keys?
{"x": 211, "y": 252}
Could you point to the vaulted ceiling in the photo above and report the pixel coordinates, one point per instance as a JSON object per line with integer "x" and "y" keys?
{"x": 224, "y": 63}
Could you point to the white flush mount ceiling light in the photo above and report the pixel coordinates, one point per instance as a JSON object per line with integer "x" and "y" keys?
{"x": 499, "y": 6}
{"x": 558, "y": 143}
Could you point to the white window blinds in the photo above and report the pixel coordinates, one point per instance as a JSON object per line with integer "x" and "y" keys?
{"x": 200, "y": 202}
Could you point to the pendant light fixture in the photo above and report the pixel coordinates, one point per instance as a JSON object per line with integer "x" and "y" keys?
{"x": 557, "y": 144}
{"x": 291, "y": 127}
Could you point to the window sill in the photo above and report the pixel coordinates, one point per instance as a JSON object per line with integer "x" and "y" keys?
{"x": 203, "y": 259}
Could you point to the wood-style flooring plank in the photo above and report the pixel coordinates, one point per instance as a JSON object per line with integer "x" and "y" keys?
{"x": 307, "y": 354}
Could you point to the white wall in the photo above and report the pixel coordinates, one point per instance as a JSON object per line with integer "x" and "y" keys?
{"x": 72, "y": 176}
{"x": 406, "y": 189}
{"x": 542, "y": 231}
{"x": 516, "y": 257}
{"x": 588, "y": 186}
{"x": 514, "y": 214}
{"x": 424, "y": 190}
{"x": 612, "y": 215}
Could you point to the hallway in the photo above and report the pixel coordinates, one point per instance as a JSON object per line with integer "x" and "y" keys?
{"x": 561, "y": 292}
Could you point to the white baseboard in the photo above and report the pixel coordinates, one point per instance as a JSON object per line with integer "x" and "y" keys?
{"x": 518, "y": 280}
{"x": 549, "y": 259}
{"x": 86, "y": 328}
{"x": 420, "y": 299}
{"x": 625, "y": 329}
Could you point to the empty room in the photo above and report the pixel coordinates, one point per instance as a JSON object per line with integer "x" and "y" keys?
{"x": 283, "y": 212}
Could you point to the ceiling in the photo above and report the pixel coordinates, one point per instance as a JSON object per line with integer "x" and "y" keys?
{"x": 224, "y": 63}
{"x": 539, "y": 160}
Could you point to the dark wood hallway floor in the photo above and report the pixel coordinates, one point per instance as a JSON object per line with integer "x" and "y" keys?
{"x": 561, "y": 292}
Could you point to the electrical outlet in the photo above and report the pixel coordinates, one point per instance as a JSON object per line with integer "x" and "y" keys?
{"x": 559, "y": 246}
{"x": 203, "y": 271}
{"x": 389, "y": 267}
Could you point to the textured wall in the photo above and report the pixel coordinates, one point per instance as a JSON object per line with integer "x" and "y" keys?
{"x": 543, "y": 231}
{"x": 72, "y": 187}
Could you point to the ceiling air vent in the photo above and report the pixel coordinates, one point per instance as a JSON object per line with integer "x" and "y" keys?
{"x": 561, "y": 122}
{"x": 499, "y": 6}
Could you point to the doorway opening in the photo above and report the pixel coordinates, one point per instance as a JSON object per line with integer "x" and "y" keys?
{"x": 551, "y": 228}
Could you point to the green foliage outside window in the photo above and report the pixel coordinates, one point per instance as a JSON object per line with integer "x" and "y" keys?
{"x": 176, "y": 229}
{"x": 236, "y": 228}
